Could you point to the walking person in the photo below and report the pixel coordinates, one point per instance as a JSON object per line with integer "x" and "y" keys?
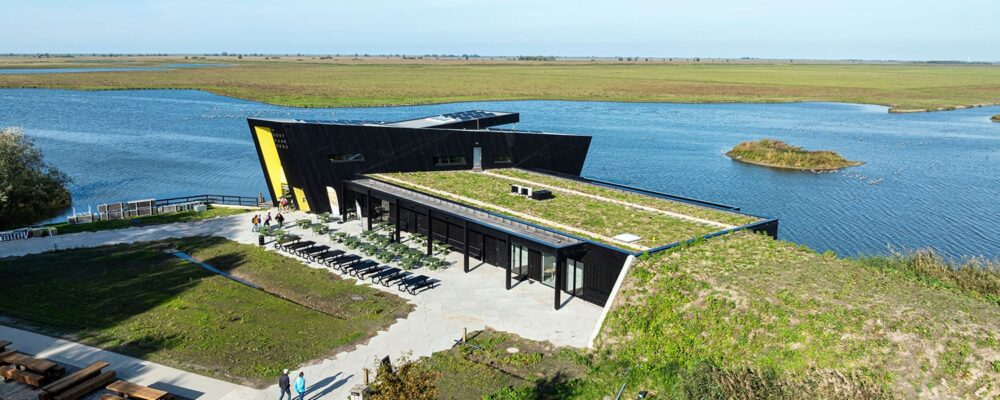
{"x": 280, "y": 218}
{"x": 256, "y": 223}
{"x": 284, "y": 385}
{"x": 267, "y": 221}
{"x": 300, "y": 385}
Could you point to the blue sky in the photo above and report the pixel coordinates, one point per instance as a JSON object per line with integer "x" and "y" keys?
{"x": 871, "y": 29}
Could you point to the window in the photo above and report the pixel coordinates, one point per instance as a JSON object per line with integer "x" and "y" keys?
{"x": 549, "y": 269}
{"x": 502, "y": 160}
{"x": 346, "y": 157}
{"x": 449, "y": 160}
{"x": 519, "y": 260}
{"x": 573, "y": 278}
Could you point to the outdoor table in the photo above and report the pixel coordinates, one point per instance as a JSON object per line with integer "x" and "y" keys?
{"x": 130, "y": 390}
{"x": 41, "y": 366}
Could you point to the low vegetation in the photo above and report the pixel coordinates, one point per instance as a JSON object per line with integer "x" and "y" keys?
{"x": 30, "y": 188}
{"x": 745, "y": 317}
{"x": 142, "y": 301}
{"x": 778, "y": 154}
{"x": 158, "y": 219}
{"x": 379, "y": 81}
{"x": 995, "y": 118}
{"x": 595, "y": 216}
{"x": 621, "y": 195}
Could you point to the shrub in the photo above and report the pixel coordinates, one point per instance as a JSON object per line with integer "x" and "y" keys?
{"x": 407, "y": 380}
{"x": 30, "y": 188}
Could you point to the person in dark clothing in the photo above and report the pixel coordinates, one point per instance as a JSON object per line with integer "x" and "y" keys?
{"x": 281, "y": 219}
{"x": 284, "y": 385}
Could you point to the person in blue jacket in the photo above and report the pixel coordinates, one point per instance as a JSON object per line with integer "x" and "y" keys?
{"x": 300, "y": 385}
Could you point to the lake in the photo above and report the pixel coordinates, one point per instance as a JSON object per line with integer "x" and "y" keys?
{"x": 930, "y": 179}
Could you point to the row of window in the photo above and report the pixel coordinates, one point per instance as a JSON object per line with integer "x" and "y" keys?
{"x": 439, "y": 161}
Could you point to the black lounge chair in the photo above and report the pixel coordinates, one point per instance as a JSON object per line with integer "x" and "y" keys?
{"x": 355, "y": 268}
{"x": 371, "y": 271}
{"x": 387, "y": 281}
{"x": 414, "y": 283}
{"x": 298, "y": 245}
{"x": 345, "y": 260}
{"x": 329, "y": 254}
{"x": 377, "y": 277}
{"x": 311, "y": 252}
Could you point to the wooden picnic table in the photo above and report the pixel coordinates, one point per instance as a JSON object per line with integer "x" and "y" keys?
{"x": 33, "y": 364}
{"x": 131, "y": 390}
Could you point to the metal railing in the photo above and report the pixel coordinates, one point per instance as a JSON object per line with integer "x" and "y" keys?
{"x": 211, "y": 199}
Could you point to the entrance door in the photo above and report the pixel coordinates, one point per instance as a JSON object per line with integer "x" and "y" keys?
{"x": 477, "y": 158}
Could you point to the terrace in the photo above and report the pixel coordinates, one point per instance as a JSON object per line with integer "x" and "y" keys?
{"x": 595, "y": 212}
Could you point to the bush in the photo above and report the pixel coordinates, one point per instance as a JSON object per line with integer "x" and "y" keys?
{"x": 408, "y": 381}
{"x": 30, "y": 189}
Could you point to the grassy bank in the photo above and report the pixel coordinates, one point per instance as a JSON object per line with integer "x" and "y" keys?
{"x": 376, "y": 82}
{"x": 184, "y": 216}
{"x": 778, "y": 154}
{"x": 140, "y": 301}
{"x": 743, "y": 316}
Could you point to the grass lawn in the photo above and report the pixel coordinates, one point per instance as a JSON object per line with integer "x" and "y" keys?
{"x": 777, "y": 154}
{"x": 310, "y": 82}
{"x": 598, "y": 217}
{"x": 138, "y": 300}
{"x": 184, "y": 216}
{"x": 743, "y": 314}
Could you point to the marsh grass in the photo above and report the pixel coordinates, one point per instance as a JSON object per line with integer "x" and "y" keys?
{"x": 778, "y": 154}
{"x": 379, "y": 82}
{"x": 976, "y": 277}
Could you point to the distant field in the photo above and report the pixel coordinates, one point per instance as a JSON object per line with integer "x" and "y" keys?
{"x": 394, "y": 81}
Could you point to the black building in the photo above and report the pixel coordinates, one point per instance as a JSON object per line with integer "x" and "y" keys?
{"x": 332, "y": 166}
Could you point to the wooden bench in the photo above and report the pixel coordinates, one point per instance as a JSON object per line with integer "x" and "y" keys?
{"x": 49, "y": 391}
{"x": 4, "y": 354}
{"x": 11, "y": 373}
{"x": 4, "y": 344}
{"x": 87, "y": 386}
{"x": 39, "y": 365}
{"x": 130, "y": 390}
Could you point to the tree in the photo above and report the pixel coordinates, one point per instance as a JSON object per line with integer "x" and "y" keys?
{"x": 405, "y": 381}
{"x": 30, "y": 188}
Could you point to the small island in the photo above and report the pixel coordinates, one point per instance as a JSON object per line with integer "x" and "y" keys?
{"x": 777, "y": 154}
{"x": 995, "y": 118}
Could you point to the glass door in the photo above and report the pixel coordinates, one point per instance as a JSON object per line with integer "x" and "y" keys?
{"x": 573, "y": 277}
{"x": 477, "y": 157}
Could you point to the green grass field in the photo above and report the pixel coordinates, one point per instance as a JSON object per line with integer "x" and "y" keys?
{"x": 601, "y": 219}
{"x": 378, "y": 82}
{"x": 778, "y": 154}
{"x": 140, "y": 301}
{"x": 184, "y": 216}
{"x": 746, "y": 317}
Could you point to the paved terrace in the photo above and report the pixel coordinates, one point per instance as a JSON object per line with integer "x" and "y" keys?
{"x": 474, "y": 301}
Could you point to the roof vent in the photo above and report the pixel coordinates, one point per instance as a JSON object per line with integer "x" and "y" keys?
{"x": 627, "y": 238}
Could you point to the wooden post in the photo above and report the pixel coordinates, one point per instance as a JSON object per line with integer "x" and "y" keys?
{"x": 366, "y": 376}
{"x": 465, "y": 335}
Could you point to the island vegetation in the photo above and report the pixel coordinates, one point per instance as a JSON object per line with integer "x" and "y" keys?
{"x": 31, "y": 189}
{"x": 777, "y": 154}
{"x": 141, "y": 301}
{"x": 995, "y": 118}
{"x": 319, "y": 81}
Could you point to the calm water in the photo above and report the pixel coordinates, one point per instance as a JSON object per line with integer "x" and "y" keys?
{"x": 931, "y": 179}
{"x": 164, "y": 67}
